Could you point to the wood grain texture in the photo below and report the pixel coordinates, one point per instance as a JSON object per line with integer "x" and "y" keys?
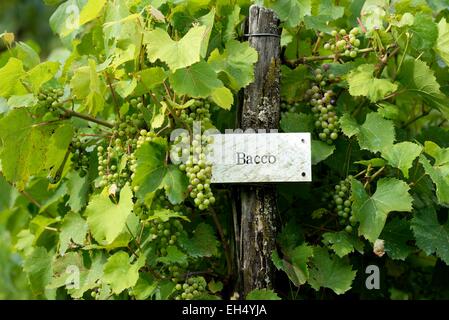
{"x": 260, "y": 110}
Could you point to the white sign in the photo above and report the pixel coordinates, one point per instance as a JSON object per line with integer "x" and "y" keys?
{"x": 261, "y": 157}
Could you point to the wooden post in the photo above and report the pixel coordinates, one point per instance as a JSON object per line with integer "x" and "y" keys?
{"x": 260, "y": 111}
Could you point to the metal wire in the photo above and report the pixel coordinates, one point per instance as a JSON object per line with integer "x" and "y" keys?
{"x": 262, "y": 35}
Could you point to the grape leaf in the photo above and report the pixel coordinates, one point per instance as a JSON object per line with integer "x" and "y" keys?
{"x": 292, "y": 12}
{"x": 38, "y": 267}
{"x": 348, "y": 125}
{"x": 151, "y": 169}
{"x": 330, "y": 272}
{"x": 418, "y": 79}
{"x": 431, "y": 236}
{"x": 262, "y": 294}
{"x": 236, "y": 63}
{"x": 165, "y": 215}
{"x": 321, "y": 151}
{"x": 342, "y": 243}
{"x": 87, "y": 84}
{"x": 89, "y": 276}
{"x": 152, "y": 77}
{"x": 73, "y": 229}
{"x": 25, "y": 100}
{"x": 8, "y": 195}
{"x": 106, "y": 219}
{"x": 78, "y": 189}
{"x": 65, "y": 19}
{"x": 424, "y": 31}
{"x": 174, "y": 255}
{"x": 202, "y": 244}
{"x": 145, "y": 287}
{"x": 223, "y": 97}
{"x": 41, "y": 74}
{"x": 296, "y": 122}
{"x": 396, "y": 234}
{"x": 373, "y": 14}
{"x": 299, "y": 258}
{"x": 401, "y": 155}
{"x": 91, "y": 10}
{"x": 66, "y": 270}
{"x": 376, "y": 133}
{"x": 177, "y": 54}
{"x": 125, "y": 87}
{"x": 175, "y": 183}
{"x": 391, "y": 195}
{"x": 10, "y": 75}
{"x": 442, "y": 44}
{"x": 58, "y": 145}
{"x": 24, "y": 146}
{"x": 198, "y": 80}
{"x": 328, "y": 9}
{"x": 119, "y": 273}
{"x": 439, "y": 171}
{"x": 29, "y": 57}
{"x": 152, "y": 173}
{"x": 215, "y": 286}
{"x": 296, "y": 268}
{"x": 39, "y": 224}
{"x": 363, "y": 83}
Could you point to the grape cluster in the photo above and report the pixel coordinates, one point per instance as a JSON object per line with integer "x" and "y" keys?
{"x": 137, "y": 102}
{"x": 289, "y": 107}
{"x": 165, "y": 233}
{"x": 49, "y": 98}
{"x": 344, "y": 43}
{"x": 80, "y": 158}
{"x": 323, "y": 105}
{"x": 198, "y": 111}
{"x": 192, "y": 288}
{"x": 126, "y": 137}
{"x": 342, "y": 203}
{"x": 199, "y": 172}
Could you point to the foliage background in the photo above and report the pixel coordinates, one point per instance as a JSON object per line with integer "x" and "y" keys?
{"x": 415, "y": 265}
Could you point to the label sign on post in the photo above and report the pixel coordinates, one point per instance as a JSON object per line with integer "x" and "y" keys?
{"x": 261, "y": 157}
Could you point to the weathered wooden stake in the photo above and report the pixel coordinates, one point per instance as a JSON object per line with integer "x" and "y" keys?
{"x": 260, "y": 111}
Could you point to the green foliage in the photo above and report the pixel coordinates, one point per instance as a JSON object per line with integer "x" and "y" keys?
{"x": 363, "y": 83}
{"x": 107, "y": 219}
{"x": 119, "y": 273}
{"x": 262, "y": 294}
{"x": 330, "y": 272}
{"x": 88, "y": 184}
{"x": 431, "y": 236}
{"x": 372, "y": 211}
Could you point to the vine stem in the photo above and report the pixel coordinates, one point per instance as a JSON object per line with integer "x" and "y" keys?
{"x": 422, "y": 115}
{"x": 377, "y": 173}
{"x": 31, "y": 199}
{"x": 294, "y": 63}
{"x": 114, "y": 97}
{"x": 223, "y": 241}
{"x": 70, "y": 113}
{"x": 403, "y": 56}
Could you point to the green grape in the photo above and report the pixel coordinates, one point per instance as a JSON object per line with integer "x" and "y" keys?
{"x": 322, "y": 102}
{"x": 344, "y": 44}
{"x": 192, "y": 287}
{"x": 342, "y": 204}
{"x": 50, "y": 98}
{"x": 198, "y": 170}
{"x": 127, "y": 136}
{"x": 80, "y": 157}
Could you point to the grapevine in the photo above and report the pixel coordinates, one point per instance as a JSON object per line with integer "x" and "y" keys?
{"x": 323, "y": 103}
{"x": 105, "y": 166}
